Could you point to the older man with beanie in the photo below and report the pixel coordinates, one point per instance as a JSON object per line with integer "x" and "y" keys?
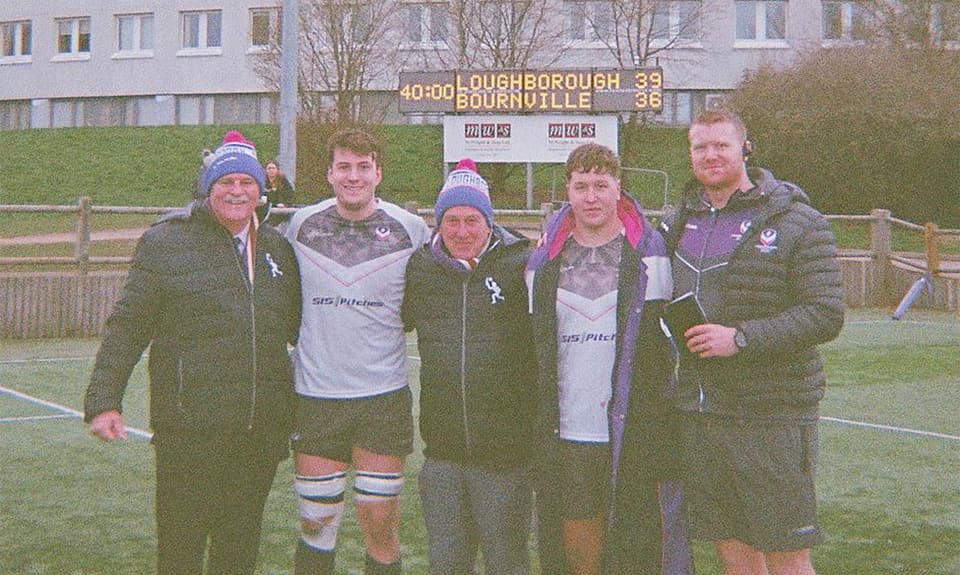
{"x": 217, "y": 299}
{"x": 467, "y": 299}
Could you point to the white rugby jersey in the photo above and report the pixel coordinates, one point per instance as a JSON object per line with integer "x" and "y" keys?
{"x": 352, "y": 342}
{"x": 587, "y": 337}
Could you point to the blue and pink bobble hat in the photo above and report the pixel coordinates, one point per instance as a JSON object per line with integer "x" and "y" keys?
{"x": 464, "y": 187}
{"x": 236, "y": 155}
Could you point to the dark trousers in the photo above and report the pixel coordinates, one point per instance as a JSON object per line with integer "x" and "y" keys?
{"x": 210, "y": 498}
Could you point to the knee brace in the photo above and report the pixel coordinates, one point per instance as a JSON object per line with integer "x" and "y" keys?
{"x": 321, "y": 509}
{"x": 374, "y": 487}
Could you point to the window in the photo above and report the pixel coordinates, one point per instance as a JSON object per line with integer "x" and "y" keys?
{"x": 946, "y": 22}
{"x": 589, "y": 21}
{"x": 844, "y": 21}
{"x": 135, "y": 32}
{"x": 73, "y": 36}
{"x": 761, "y": 20}
{"x": 354, "y": 24}
{"x": 679, "y": 20}
{"x": 201, "y": 29}
{"x": 505, "y": 21}
{"x": 425, "y": 24}
{"x": 16, "y": 39}
{"x": 265, "y": 29}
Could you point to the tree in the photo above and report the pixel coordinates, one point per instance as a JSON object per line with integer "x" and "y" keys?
{"x": 500, "y": 35}
{"x": 345, "y": 46}
{"x": 862, "y": 127}
{"x": 639, "y": 30}
{"x": 496, "y": 35}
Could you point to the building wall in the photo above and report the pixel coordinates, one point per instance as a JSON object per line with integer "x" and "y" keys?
{"x": 170, "y": 85}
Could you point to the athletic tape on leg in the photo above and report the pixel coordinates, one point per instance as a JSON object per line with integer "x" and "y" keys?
{"x": 373, "y": 487}
{"x": 321, "y": 509}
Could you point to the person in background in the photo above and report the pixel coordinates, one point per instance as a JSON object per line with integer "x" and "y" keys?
{"x": 277, "y": 187}
{"x": 354, "y": 403}
{"x": 607, "y": 491}
{"x": 206, "y": 157}
{"x": 466, "y": 298}
{"x": 760, "y": 260}
{"x": 217, "y": 300}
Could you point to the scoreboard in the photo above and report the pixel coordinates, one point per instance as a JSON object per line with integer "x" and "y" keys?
{"x": 532, "y": 91}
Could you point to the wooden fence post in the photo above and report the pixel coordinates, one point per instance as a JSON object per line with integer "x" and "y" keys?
{"x": 880, "y": 243}
{"x": 933, "y": 249}
{"x": 82, "y": 253}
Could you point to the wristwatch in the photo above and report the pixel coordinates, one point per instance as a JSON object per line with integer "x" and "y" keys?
{"x": 739, "y": 339}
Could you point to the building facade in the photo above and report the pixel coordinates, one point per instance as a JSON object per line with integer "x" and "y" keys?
{"x": 139, "y": 62}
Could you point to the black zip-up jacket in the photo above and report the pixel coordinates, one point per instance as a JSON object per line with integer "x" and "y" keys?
{"x": 785, "y": 295}
{"x": 477, "y": 370}
{"x": 218, "y": 346}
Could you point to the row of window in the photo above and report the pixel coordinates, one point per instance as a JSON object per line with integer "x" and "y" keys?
{"x": 427, "y": 24}
{"x": 756, "y": 20}
{"x": 134, "y": 33}
{"x": 677, "y": 21}
{"x": 844, "y": 20}
{"x": 594, "y": 21}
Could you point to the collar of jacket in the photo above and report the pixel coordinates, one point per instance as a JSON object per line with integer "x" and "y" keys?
{"x": 198, "y": 209}
{"x": 767, "y": 188}
{"x": 499, "y": 236}
{"x": 561, "y": 226}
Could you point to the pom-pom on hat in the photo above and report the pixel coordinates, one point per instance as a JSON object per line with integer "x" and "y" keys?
{"x": 464, "y": 187}
{"x": 235, "y": 155}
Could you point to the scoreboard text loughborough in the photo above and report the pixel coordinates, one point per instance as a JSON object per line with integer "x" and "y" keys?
{"x": 530, "y": 91}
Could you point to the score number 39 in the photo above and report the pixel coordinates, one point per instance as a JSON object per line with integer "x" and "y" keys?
{"x": 649, "y": 86}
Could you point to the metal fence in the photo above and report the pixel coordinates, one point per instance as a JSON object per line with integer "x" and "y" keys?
{"x": 74, "y": 298}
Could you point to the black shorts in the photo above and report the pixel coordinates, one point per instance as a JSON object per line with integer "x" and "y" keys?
{"x": 331, "y": 428}
{"x": 752, "y": 481}
{"x": 580, "y": 474}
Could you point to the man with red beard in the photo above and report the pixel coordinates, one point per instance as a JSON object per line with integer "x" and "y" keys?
{"x": 760, "y": 262}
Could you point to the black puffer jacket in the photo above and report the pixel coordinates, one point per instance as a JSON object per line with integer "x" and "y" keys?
{"x": 477, "y": 370}
{"x": 786, "y": 298}
{"x": 218, "y": 348}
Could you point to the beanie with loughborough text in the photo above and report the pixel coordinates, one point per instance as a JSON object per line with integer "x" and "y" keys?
{"x": 236, "y": 155}
{"x": 464, "y": 187}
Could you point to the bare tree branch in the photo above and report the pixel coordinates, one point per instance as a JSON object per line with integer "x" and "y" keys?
{"x": 345, "y": 46}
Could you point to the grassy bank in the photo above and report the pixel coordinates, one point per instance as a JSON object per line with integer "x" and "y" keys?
{"x": 157, "y": 166}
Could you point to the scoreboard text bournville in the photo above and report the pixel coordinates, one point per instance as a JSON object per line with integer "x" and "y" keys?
{"x": 532, "y": 91}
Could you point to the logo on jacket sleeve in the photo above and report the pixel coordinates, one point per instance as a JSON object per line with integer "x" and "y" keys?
{"x": 496, "y": 294}
{"x": 768, "y": 240}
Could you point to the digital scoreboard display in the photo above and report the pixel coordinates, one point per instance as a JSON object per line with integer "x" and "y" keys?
{"x": 532, "y": 91}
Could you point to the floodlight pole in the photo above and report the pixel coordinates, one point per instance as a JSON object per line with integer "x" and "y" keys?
{"x": 287, "y": 155}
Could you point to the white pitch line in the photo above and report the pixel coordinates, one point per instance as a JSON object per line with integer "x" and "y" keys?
{"x": 36, "y": 418}
{"x": 43, "y": 360}
{"x": 64, "y": 409}
{"x": 892, "y": 428}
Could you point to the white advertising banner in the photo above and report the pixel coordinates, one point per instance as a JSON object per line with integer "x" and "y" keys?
{"x": 521, "y": 139}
